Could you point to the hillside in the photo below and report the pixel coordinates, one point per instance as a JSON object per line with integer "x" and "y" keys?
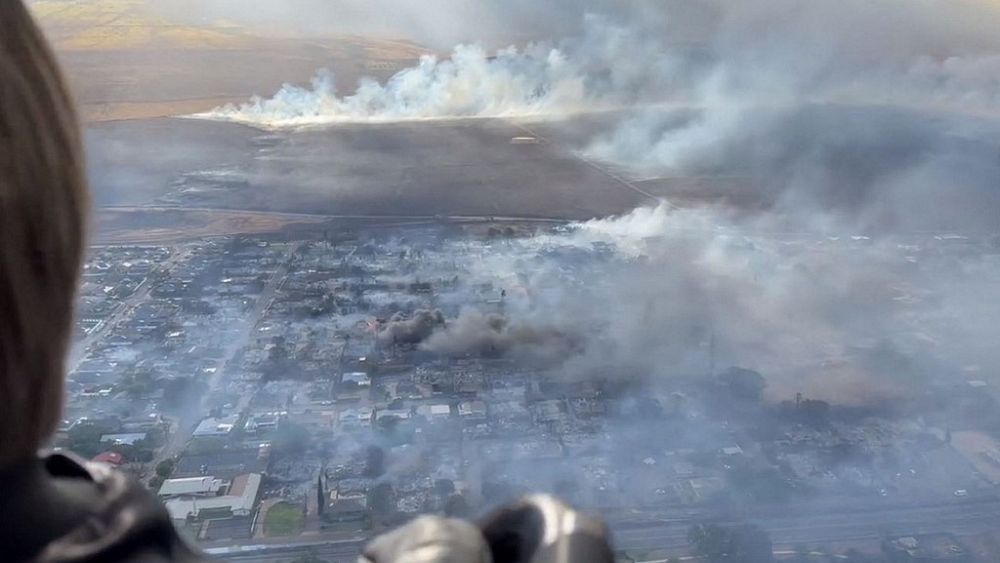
{"x": 126, "y": 61}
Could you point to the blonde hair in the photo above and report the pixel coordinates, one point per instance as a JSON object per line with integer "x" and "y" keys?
{"x": 43, "y": 203}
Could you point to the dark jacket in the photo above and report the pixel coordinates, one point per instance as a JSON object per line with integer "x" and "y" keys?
{"x": 61, "y": 509}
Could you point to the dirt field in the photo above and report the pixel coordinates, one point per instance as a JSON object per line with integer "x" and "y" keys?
{"x": 467, "y": 168}
{"x": 126, "y": 62}
{"x": 158, "y": 226}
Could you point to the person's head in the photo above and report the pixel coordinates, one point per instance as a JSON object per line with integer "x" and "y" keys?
{"x": 43, "y": 202}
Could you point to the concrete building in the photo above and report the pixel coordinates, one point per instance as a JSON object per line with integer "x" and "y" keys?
{"x": 123, "y": 439}
{"x": 434, "y": 412}
{"x": 356, "y": 418}
{"x": 360, "y": 378}
{"x": 239, "y": 500}
{"x": 216, "y": 426}
{"x": 192, "y": 487}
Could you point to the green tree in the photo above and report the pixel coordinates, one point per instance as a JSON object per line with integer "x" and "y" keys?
{"x": 165, "y": 468}
{"x": 155, "y": 482}
{"x": 85, "y": 438}
{"x": 137, "y": 381}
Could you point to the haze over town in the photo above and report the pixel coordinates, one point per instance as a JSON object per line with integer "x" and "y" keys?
{"x": 690, "y": 265}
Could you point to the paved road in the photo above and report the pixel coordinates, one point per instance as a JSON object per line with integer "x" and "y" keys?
{"x": 957, "y": 518}
{"x": 871, "y": 523}
{"x": 224, "y": 366}
{"x": 332, "y": 551}
{"x": 125, "y": 308}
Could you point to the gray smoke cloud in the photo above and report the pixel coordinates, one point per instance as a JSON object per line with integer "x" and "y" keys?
{"x": 605, "y": 67}
{"x": 874, "y": 120}
{"x": 754, "y": 54}
{"x": 863, "y": 107}
{"x": 494, "y": 335}
{"x": 874, "y": 110}
{"x": 413, "y": 329}
{"x": 839, "y": 316}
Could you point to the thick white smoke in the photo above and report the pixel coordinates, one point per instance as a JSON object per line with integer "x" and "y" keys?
{"x": 600, "y": 69}
{"x": 469, "y": 84}
{"x": 857, "y": 106}
{"x": 773, "y": 58}
{"x": 770, "y": 54}
{"x": 832, "y": 313}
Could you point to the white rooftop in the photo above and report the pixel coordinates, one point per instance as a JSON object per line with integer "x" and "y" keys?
{"x": 241, "y": 500}
{"x": 359, "y": 377}
{"x": 216, "y": 426}
{"x": 127, "y": 438}
{"x": 191, "y": 486}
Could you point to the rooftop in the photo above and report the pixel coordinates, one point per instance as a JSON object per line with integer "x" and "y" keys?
{"x": 216, "y": 426}
{"x": 223, "y": 465}
{"x": 129, "y": 438}
{"x": 240, "y": 501}
{"x": 202, "y": 486}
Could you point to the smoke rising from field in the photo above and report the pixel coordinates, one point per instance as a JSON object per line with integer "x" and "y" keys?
{"x": 543, "y": 78}
{"x": 864, "y": 118}
{"x": 863, "y": 108}
{"x": 768, "y": 53}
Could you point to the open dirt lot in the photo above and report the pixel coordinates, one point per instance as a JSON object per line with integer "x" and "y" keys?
{"x": 467, "y": 168}
{"x": 126, "y": 60}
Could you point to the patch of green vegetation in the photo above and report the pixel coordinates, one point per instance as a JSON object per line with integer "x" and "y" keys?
{"x": 284, "y": 519}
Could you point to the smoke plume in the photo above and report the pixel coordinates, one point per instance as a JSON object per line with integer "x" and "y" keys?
{"x": 863, "y": 129}
{"x": 545, "y": 78}
{"x": 836, "y": 315}
{"x": 861, "y": 108}
{"x": 414, "y": 329}
{"x": 763, "y": 54}
{"x": 493, "y": 335}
